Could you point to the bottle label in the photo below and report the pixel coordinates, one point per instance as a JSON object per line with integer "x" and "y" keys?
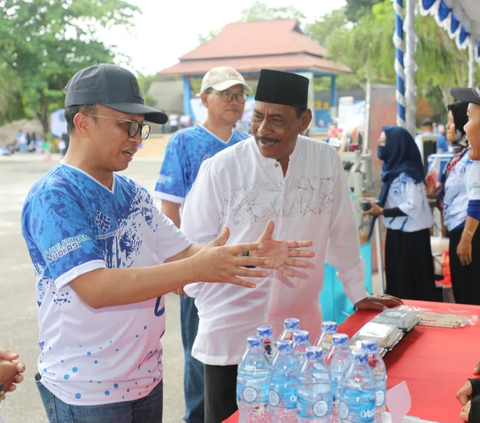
{"x": 343, "y": 410}
{"x": 286, "y": 399}
{"x": 320, "y": 408}
{"x": 308, "y": 409}
{"x": 250, "y": 394}
{"x": 379, "y": 398}
{"x": 273, "y": 398}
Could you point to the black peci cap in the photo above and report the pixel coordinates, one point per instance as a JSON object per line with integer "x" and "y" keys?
{"x": 113, "y": 87}
{"x": 285, "y": 88}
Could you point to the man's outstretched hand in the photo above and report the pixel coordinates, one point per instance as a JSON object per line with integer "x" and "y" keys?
{"x": 280, "y": 254}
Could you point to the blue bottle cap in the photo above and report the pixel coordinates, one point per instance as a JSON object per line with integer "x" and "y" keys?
{"x": 300, "y": 337}
{"x": 254, "y": 341}
{"x": 291, "y": 324}
{"x": 370, "y": 345}
{"x": 329, "y": 327}
{"x": 285, "y": 346}
{"x": 360, "y": 356}
{"x": 314, "y": 353}
{"x": 340, "y": 339}
{"x": 264, "y": 331}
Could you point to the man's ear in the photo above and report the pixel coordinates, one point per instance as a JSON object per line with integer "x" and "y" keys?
{"x": 306, "y": 119}
{"x": 82, "y": 123}
{"x": 204, "y": 98}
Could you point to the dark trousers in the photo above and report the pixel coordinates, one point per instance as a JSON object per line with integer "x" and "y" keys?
{"x": 465, "y": 279}
{"x": 193, "y": 369}
{"x": 409, "y": 266}
{"x": 220, "y": 392}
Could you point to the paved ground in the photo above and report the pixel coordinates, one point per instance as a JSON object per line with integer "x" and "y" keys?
{"x": 18, "y": 308}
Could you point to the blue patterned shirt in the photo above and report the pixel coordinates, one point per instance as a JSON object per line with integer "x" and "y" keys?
{"x": 73, "y": 225}
{"x": 186, "y": 151}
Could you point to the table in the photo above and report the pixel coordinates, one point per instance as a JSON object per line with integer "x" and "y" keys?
{"x": 435, "y": 362}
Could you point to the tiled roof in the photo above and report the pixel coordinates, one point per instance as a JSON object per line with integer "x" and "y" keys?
{"x": 249, "y": 47}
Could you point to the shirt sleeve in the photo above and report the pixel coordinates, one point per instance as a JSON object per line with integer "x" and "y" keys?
{"x": 171, "y": 184}
{"x": 202, "y": 215}
{"x": 170, "y": 240}
{"x": 413, "y": 198}
{"x": 473, "y": 190}
{"x": 343, "y": 248}
{"x": 59, "y": 227}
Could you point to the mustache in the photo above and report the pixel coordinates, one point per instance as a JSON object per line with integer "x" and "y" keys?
{"x": 268, "y": 139}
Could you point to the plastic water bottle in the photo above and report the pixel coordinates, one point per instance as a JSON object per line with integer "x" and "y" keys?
{"x": 377, "y": 365}
{"x": 339, "y": 361}
{"x": 301, "y": 340}
{"x": 357, "y": 392}
{"x": 253, "y": 383}
{"x": 325, "y": 341}
{"x": 314, "y": 393}
{"x": 282, "y": 396}
{"x": 266, "y": 333}
{"x": 289, "y": 326}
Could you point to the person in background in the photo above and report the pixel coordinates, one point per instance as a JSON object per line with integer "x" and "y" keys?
{"x": 10, "y": 372}
{"x": 173, "y": 119}
{"x": 185, "y": 121}
{"x": 462, "y": 207}
{"x": 429, "y": 142}
{"x": 223, "y": 95}
{"x": 299, "y": 184}
{"x": 21, "y": 142}
{"x": 407, "y": 216}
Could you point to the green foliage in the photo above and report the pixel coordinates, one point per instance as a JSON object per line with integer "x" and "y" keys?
{"x": 45, "y": 42}
{"x": 261, "y": 12}
{"x": 355, "y": 9}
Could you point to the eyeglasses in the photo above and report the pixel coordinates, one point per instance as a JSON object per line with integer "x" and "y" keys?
{"x": 133, "y": 127}
{"x": 228, "y": 97}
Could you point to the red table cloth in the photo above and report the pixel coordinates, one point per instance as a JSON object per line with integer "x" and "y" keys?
{"x": 435, "y": 362}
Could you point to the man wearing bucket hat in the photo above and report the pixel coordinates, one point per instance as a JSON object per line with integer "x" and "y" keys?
{"x": 104, "y": 257}
{"x": 223, "y": 95}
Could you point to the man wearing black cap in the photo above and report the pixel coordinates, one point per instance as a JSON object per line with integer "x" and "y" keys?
{"x": 96, "y": 240}
{"x": 297, "y": 182}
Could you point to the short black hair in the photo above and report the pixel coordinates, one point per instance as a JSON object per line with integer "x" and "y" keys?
{"x": 427, "y": 122}
{"x": 71, "y": 111}
{"x": 300, "y": 110}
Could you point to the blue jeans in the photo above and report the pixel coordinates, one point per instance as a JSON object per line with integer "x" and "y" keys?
{"x": 145, "y": 410}
{"x": 193, "y": 371}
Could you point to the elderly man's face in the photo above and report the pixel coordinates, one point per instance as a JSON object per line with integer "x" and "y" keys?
{"x": 472, "y": 129}
{"x": 276, "y": 127}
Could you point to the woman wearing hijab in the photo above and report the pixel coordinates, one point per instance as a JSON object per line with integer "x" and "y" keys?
{"x": 462, "y": 205}
{"x": 407, "y": 216}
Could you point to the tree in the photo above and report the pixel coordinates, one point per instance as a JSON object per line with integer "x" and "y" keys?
{"x": 45, "y": 42}
{"x": 261, "y": 12}
{"x": 357, "y": 8}
{"x": 366, "y": 46}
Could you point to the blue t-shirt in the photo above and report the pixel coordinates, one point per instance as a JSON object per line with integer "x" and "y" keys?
{"x": 186, "y": 151}
{"x": 73, "y": 225}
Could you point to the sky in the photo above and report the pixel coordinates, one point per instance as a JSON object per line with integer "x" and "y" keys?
{"x": 166, "y": 30}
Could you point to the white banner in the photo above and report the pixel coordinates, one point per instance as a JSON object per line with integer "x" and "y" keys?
{"x": 58, "y": 124}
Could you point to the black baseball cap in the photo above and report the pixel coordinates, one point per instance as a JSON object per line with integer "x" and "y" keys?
{"x": 113, "y": 87}
{"x": 468, "y": 95}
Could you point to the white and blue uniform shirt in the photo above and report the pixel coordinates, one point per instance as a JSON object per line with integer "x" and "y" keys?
{"x": 409, "y": 196}
{"x": 473, "y": 189}
{"x": 72, "y": 225}
{"x": 456, "y": 197}
{"x": 185, "y": 153}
